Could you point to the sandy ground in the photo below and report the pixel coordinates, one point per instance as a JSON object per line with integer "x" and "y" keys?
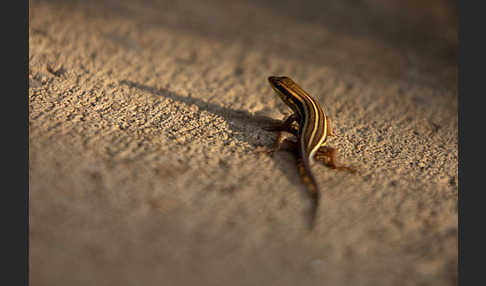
{"x": 145, "y": 118}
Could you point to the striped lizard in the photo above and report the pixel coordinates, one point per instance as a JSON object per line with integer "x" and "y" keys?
{"x": 314, "y": 127}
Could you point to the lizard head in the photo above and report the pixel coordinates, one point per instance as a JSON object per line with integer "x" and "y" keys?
{"x": 280, "y": 84}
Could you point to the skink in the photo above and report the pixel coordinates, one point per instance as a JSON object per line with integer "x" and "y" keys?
{"x": 312, "y": 133}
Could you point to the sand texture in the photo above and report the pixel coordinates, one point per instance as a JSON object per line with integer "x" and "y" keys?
{"x": 145, "y": 120}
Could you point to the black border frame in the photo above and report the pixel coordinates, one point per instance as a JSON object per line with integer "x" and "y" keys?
{"x": 470, "y": 116}
{"x": 16, "y": 215}
{"x": 15, "y": 210}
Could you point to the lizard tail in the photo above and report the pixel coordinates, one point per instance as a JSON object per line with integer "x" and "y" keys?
{"x": 310, "y": 182}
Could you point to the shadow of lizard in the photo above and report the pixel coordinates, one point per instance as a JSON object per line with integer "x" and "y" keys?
{"x": 239, "y": 121}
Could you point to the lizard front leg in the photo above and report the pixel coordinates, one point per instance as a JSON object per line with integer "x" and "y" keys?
{"x": 329, "y": 127}
{"x": 280, "y": 141}
{"x": 286, "y": 125}
{"x": 279, "y": 144}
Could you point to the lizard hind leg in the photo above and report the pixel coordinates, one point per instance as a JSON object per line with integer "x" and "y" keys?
{"x": 327, "y": 155}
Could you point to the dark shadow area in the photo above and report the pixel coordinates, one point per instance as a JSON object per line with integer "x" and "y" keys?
{"x": 237, "y": 120}
{"x": 427, "y": 26}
